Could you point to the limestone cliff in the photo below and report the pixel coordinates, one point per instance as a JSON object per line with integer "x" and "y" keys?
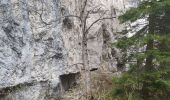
{"x": 38, "y": 45}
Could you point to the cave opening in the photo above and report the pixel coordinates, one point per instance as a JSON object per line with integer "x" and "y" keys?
{"x": 69, "y": 80}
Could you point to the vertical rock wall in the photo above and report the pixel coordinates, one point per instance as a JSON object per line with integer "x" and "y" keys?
{"x": 38, "y": 45}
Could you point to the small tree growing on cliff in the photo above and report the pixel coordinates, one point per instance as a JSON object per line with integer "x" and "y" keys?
{"x": 83, "y": 16}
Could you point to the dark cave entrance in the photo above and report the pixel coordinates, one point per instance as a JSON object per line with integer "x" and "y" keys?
{"x": 69, "y": 80}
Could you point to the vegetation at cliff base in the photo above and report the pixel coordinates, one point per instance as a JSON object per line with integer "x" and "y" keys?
{"x": 148, "y": 77}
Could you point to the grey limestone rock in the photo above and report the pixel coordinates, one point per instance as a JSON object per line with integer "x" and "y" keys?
{"x": 37, "y": 45}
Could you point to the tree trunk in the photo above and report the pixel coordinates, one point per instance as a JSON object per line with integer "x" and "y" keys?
{"x": 86, "y": 69}
{"x": 149, "y": 59}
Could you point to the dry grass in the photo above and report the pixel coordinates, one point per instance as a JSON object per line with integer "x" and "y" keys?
{"x": 102, "y": 85}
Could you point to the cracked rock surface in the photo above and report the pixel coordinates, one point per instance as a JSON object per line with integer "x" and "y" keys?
{"x": 37, "y": 45}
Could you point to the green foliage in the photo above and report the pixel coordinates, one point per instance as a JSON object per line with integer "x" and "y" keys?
{"x": 133, "y": 84}
{"x": 124, "y": 43}
{"x": 141, "y": 82}
{"x": 146, "y": 7}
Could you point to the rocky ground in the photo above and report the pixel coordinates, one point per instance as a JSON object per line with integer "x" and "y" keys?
{"x": 72, "y": 94}
{"x": 101, "y": 83}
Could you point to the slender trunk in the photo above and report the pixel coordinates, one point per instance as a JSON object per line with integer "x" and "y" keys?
{"x": 149, "y": 59}
{"x": 86, "y": 69}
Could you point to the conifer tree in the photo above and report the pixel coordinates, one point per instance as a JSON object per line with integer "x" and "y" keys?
{"x": 149, "y": 76}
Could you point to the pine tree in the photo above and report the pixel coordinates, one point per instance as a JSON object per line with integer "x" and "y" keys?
{"x": 149, "y": 76}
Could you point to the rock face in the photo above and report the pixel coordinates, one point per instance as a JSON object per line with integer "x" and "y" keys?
{"x": 38, "y": 44}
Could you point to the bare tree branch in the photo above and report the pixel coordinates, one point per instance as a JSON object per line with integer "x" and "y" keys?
{"x": 96, "y": 22}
